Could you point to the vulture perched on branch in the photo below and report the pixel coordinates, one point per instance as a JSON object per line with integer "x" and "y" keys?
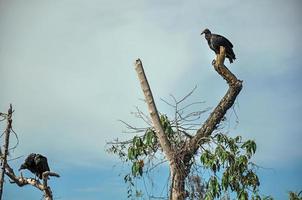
{"x": 36, "y": 163}
{"x": 215, "y": 41}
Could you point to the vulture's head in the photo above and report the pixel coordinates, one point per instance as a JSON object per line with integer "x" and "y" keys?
{"x": 205, "y": 31}
{"x": 23, "y": 166}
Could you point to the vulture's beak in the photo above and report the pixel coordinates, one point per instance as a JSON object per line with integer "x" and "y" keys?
{"x": 202, "y": 33}
{"x": 21, "y": 167}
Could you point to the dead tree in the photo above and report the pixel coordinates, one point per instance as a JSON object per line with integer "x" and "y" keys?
{"x": 6, "y": 169}
{"x": 179, "y": 159}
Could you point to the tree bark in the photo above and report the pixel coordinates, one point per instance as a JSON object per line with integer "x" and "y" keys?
{"x": 9, "y": 120}
{"x": 178, "y": 177}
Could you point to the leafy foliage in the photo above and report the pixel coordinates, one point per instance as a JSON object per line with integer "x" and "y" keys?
{"x": 228, "y": 161}
{"x": 231, "y": 158}
{"x": 142, "y": 147}
{"x": 138, "y": 150}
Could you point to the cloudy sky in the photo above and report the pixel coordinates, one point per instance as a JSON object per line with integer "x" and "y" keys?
{"x": 67, "y": 68}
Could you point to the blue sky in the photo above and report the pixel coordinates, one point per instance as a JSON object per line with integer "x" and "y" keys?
{"x": 67, "y": 67}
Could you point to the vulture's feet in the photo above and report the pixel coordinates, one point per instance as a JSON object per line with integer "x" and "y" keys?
{"x": 34, "y": 179}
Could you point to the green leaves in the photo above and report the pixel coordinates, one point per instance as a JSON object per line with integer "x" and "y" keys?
{"x": 137, "y": 142}
{"x": 213, "y": 190}
{"x": 166, "y": 126}
{"x": 137, "y": 168}
{"x": 136, "y": 149}
{"x": 141, "y": 145}
{"x": 243, "y": 195}
{"x": 134, "y": 152}
{"x": 210, "y": 161}
{"x": 150, "y": 138}
{"x": 225, "y": 181}
{"x": 232, "y": 155}
{"x": 131, "y": 153}
{"x": 250, "y": 147}
{"x": 145, "y": 145}
{"x": 227, "y": 159}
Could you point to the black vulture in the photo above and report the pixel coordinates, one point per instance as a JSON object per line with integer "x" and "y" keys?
{"x": 215, "y": 41}
{"x": 36, "y": 163}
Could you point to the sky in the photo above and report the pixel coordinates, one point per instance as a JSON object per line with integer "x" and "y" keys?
{"x": 67, "y": 68}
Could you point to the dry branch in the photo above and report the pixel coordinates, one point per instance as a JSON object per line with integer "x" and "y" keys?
{"x": 8, "y": 128}
{"x": 163, "y": 140}
{"x": 22, "y": 181}
{"x": 225, "y": 103}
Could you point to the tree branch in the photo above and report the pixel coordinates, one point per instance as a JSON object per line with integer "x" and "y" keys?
{"x": 6, "y": 146}
{"x": 163, "y": 140}
{"x": 22, "y": 181}
{"x": 225, "y": 103}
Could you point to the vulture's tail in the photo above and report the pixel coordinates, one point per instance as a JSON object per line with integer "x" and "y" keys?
{"x": 230, "y": 54}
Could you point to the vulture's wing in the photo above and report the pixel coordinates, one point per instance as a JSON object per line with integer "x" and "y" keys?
{"x": 219, "y": 40}
{"x": 30, "y": 162}
{"x": 41, "y": 164}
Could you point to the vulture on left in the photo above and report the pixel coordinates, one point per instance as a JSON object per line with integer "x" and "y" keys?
{"x": 36, "y": 163}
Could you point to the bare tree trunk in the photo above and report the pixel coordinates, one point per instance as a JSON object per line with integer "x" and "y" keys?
{"x": 163, "y": 140}
{"x": 6, "y": 145}
{"x": 178, "y": 191}
{"x": 177, "y": 177}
